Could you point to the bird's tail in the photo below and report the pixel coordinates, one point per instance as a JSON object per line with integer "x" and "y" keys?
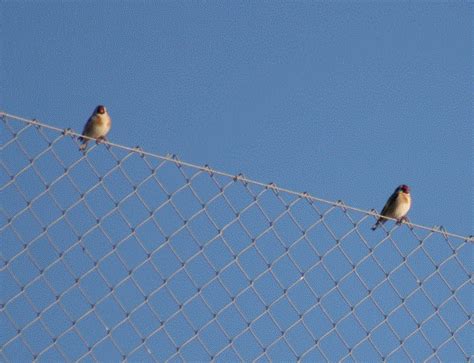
{"x": 378, "y": 223}
{"x": 83, "y": 143}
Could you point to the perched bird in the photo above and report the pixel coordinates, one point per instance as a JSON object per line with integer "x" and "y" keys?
{"x": 97, "y": 126}
{"x": 397, "y": 206}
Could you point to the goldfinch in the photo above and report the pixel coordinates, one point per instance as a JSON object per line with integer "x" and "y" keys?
{"x": 397, "y": 206}
{"x": 97, "y": 126}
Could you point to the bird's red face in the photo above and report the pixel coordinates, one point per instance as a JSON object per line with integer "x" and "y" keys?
{"x": 101, "y": 109}
{"x": 405, "y": 189}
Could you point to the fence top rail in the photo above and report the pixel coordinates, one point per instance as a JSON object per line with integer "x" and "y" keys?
{"x": 240, "y": 177}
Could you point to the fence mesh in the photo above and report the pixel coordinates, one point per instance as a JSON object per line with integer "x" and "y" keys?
{"x": 120, "y": 254}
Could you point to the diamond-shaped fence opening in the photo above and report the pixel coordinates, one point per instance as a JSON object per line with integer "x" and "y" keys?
{"x": 121, "y": 254}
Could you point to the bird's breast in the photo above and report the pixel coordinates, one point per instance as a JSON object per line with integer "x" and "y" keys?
{"x": 402, "y": 206}
{"x": 104, "y": 122}
{"x": 405, "y": 198}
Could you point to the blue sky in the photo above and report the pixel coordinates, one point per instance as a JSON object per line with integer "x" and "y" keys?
{"x": 343, "y": 100}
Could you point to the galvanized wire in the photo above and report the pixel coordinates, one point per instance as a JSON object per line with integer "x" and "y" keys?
{"x": 123, "y": 254}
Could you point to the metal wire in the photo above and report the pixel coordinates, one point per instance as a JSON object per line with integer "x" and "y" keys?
{"x": 124, "y": 254}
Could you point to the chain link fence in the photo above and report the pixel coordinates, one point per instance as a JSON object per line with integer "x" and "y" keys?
{"x": 120, "y": 254}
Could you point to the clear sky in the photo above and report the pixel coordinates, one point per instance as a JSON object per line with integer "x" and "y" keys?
{"x": 343, "y": 100}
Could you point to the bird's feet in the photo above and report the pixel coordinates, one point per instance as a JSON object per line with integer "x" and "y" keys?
{"x": 100, "y": 139}
{"x": 403, "y": 219}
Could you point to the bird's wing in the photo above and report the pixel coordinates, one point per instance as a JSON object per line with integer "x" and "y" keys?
{"x": 390, "y": 204}
{"x": 88, "y": 126}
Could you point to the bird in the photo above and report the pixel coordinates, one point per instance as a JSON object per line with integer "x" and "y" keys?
{"x": 97, "y": 126}
{"x": 397, "y": 206}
